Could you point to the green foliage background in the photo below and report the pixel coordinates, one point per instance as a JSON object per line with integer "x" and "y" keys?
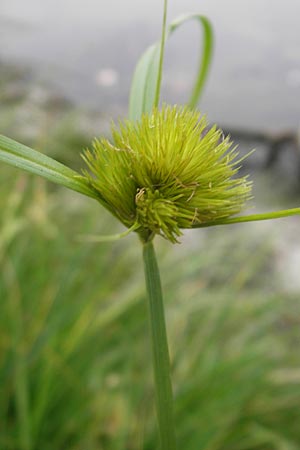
{"x": 75, "y": 366}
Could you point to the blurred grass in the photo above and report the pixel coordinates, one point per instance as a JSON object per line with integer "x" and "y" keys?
{"x": 75, "y": 369}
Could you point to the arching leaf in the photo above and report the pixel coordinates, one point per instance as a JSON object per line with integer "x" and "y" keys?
{"x": 22, "y": 157}
{"x": 143, "y": 87}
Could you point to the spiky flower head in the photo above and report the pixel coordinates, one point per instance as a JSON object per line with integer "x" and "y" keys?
{"x": 166, "y": 172}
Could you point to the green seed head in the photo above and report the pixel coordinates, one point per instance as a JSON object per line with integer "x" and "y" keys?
{"x": 166, "y": 172}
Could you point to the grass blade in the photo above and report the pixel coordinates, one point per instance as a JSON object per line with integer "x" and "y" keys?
{"x": 143, "y": 87}
{"x": 252, "y": 218}
{"x": 22, "y": 157}
{"x": 205, "y": 59}
{"x": 161, "y": 56}
{"x": 145, "y": 79}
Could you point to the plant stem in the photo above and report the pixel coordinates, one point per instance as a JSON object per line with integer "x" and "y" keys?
{"x": 161, "y": 55}
{"x": 20, "y": 365}
{"x": 161, "y": 361}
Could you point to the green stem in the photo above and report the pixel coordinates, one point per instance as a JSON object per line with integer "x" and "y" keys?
{"x": 161, "y": 55}
{"x": 161, "y": 361}
{"x": 22, "y": 400}
{"x": 20, "y": 363}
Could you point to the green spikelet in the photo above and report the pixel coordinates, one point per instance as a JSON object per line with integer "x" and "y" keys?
{"x": 168, "y": 171}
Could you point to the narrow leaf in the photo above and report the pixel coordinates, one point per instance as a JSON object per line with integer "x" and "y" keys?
{"x": 142, "y": 93}
{"x": 205, "y": 59}
{"x": 252, "y": 218}
{"x": 144, "y": 83}
{"x": 22, "y": 157}
{"x": 109, "y": 237}
{"x": 161, "y": 55}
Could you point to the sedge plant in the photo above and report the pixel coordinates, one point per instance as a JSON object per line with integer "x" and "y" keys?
{"x": 164, "y": 170}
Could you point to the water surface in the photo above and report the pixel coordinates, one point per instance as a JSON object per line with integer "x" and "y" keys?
{"x": 87, "y": 49}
